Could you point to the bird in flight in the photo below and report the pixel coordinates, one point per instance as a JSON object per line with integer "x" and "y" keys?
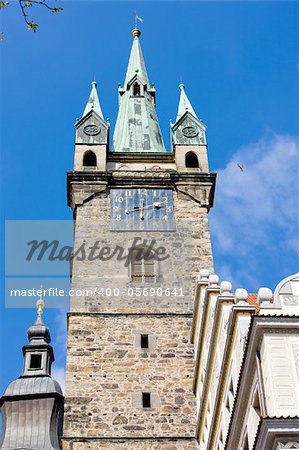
{"x": 241, "y": 167}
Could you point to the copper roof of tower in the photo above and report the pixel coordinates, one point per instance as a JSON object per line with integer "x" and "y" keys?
{"x": 137, "y": 128}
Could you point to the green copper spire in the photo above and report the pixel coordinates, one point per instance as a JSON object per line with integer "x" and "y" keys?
{"x": 184, "y": 104}
{"x": 136, "y": 62}
{"x": 137, "y": 128}
{"x": 93, "y": 102}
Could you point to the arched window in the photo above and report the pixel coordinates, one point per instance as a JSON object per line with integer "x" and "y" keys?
{"x": 89, "y": 159}
{"x": 136, "y": 89}
{"x": 192, "y": 160}
{"x": 143, "y": 268}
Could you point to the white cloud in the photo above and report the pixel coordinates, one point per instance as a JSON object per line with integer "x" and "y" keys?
{"x": 58, "y": 374}
{"x": 256, "y": 210}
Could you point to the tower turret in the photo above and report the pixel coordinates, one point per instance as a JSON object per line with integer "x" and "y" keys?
{"x": 188, "y": 137}
{"x": 92, "y": 136}
{"x": 32, "y": 405}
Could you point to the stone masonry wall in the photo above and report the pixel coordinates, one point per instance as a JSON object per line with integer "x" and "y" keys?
{"x": 189, "y": 250}
{"x": 107, "y": 370}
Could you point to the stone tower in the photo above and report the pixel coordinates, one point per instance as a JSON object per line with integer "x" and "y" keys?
{"x": 32, "y": 405}
{"x": 141, "y": 235}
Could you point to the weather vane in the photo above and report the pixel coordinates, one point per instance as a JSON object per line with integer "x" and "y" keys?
{"x": 40, "y": 304}
{"x": 136, "y": 19}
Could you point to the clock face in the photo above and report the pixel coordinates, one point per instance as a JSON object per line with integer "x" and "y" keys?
{"x": 92, "y": 130}
{"x": 190, "y": 132}
{"x": 142, "y": 210}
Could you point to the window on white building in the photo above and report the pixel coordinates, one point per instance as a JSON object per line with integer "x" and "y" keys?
{"x": 230, "y": 396}
{"x": 256, "y": 405}
{"x": 220, "y": 442}
{"x": 245, "y": 445}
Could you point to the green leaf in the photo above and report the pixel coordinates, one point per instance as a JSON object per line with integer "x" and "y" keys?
{"x": 3, "y": 4}
{"x": 56, "y": 10}
{"x": 32, "y": 26}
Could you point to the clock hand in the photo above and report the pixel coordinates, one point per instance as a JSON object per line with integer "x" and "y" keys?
{"x": 142, "y": 207}
{"x": 155, "y": 204}
{"x": 141, "y": 210}
{"x": 136, "y": 208}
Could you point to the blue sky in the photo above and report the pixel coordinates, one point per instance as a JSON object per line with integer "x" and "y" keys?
{"x": 239, "y": 62}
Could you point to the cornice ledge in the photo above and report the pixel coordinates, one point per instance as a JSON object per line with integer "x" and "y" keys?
{"x": 198, "y": 285}
{"x": 236, "y": 309}
{"x": 271, "y": 429}
{"x": 214, "y": 333}
{"x": 139, "y": 157}
{"x": 140, "y": 174}
{"x": 259, "y": 326}
{"x": 211, "y": 289}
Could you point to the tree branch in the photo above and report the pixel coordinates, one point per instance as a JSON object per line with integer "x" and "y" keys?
{"x": 24, "y": 4}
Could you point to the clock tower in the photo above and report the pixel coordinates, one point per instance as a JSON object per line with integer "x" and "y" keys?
{"x": 141, "y": 236}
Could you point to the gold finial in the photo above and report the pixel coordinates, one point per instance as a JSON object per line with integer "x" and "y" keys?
{"x": 40, "y": 305}
{"x": 136, "y": 32}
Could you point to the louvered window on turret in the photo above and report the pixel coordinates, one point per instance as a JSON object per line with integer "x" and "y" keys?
{"x": 191, "y": 161}
{"x": 89, "y": 159}
{"x": 136, "y": 89}
{"x": 142, "y": 267}
{"x": 35, "y": 362}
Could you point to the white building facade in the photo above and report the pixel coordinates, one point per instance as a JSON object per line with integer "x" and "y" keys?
{"x": 246, "y": 366}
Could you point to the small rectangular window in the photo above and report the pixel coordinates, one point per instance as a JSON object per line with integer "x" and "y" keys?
{"x": 144, "y": 341}
{"x": 142, "y": 269}
{"x": 35, "y": 361}
{"x": 146, "y": 399}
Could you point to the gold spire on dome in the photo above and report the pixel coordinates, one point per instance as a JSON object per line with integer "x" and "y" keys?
{"x": 136, "y": 32}
{"x": 40, "y": 305}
